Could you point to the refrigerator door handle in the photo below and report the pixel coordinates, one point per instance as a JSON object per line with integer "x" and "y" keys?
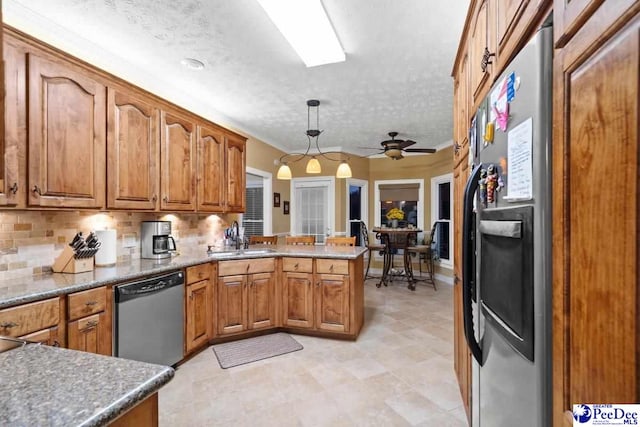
{"x": 468, "y": 257}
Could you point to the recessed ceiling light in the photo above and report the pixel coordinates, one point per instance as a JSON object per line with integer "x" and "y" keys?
{"x": 306, "y": 26}
{"x": 192, "y": 64}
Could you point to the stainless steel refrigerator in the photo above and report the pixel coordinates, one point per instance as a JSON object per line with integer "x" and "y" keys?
{"x": 507, "y": 244}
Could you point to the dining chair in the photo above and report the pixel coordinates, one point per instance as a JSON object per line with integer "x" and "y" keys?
{"x": 371, "y": 247}
{"x": 263, "y": 240}
{"x": 340, "y": 241}
{"x": 425, "y": 252}
{"x": 300, "y": 240}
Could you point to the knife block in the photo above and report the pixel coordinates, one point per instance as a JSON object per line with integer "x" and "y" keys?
{"x": 66, "y": 263}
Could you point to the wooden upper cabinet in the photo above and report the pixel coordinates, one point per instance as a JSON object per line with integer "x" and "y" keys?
{"x": 236, "y": 173}
{"x": 569, "y": 15}
{"x": 178, "y": 162}
{"x": 461, "y": 109}
{"x": 133, "y": 146}
{"x": 67, "y": 126}
{"x": 596, "y": 330}
{"x": 13, "y": 187}
{"x": 481, "y": 41}
{"x": 211, "y": 170}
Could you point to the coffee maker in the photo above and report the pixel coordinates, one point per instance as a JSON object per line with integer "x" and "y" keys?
{"x": 155, "y": 240}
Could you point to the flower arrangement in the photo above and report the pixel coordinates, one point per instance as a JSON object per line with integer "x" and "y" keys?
{"x": 395, "y": 213}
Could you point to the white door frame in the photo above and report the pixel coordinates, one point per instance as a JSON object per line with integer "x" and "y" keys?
{"x": 267, "y": 214}
{"x": 330, "y": 182}
{"x": 364, "y": 201}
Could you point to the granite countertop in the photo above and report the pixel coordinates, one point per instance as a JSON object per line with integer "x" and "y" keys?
{"x": 38, "y": 287}
{"x": 42, "y": 385}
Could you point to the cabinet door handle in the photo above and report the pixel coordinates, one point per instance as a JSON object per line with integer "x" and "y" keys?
{"x": 92, "y": 323}
{"x": 56, "y": 343}
{"x": 191, "y": 295}
{"x": 331, "y": 268}
{"x": 8, "y": 325}
{"x": 90, "y": 303}
{"x": 165, "y": 199}
{"x": 14, "y": 188}
{"x": 154, "y": 198}
{"x": 486, "y": 59}
{"x": 248, "y": 266}
{"x": 318, "y": 284}
{"x": 37, "y": 190}
{"x": 296, "y": 266}
{"x": 456, "y": 279}
{"x": 456, "y": 147}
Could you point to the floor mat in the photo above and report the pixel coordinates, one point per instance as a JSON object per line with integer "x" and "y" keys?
{"x": 249, "y": 350}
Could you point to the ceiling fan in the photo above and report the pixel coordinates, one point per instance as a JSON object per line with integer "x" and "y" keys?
{"x": 394, "y": 148}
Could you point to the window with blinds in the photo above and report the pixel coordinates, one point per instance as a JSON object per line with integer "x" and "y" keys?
{"x": 253, "y": 218}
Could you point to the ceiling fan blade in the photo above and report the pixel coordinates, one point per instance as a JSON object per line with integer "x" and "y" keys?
{"x": 420, "y": 150}
{"x": 371, "y": 148}
{"x": 407, "y": 143}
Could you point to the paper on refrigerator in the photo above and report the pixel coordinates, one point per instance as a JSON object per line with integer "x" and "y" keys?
{"x": 519, "y": 162}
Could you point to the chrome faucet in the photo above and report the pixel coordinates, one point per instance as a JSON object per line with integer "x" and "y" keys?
{"x": 236, "y": 234}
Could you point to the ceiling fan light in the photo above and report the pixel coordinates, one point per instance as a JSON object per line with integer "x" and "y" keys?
{"x": 313, "y": 166}
{"x": 394, "y": 153}
{"x": 344, "y": 171}
{"x": 284, "y": 172}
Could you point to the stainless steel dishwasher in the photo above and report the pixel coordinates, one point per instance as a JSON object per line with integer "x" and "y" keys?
{"x": 149, "y": 319}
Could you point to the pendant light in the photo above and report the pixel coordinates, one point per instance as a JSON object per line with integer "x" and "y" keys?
{"x": 313, "y": 164}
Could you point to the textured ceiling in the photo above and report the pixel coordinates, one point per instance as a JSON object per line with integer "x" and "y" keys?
{"x": 396, "y": 76}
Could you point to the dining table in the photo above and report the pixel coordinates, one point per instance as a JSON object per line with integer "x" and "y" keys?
{"x": 395, "y": 239}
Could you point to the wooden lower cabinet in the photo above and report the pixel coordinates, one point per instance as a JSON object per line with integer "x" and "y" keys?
{"x": 47, "y": 336}
{"x": 89, "y": 325}
{"x": 90, "y": 334}
{"x": 332, "y": 305}
{"x": 261, "y": 301}
{"x": 199, "y": 306}
{"x": 232, "y": 304}
{"x": 246, "y": 301}
{"x": 297, "y": 299}
{"x": 33, "y": 318}
{"x": 323, "y": 296}
{"x": 199, "y": 314}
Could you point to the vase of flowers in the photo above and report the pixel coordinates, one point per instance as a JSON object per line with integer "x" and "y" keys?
{"x": 394, "y": 215}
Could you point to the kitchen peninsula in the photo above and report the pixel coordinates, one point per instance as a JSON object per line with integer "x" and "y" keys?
{"x": 316, "y": 290}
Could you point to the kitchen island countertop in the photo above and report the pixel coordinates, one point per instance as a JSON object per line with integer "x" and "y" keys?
{"x": 48, "y": 285}
{"x": 44, "y": 385}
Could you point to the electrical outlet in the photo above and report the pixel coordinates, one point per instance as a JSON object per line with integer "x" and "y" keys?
{"x": 129, "y": 240}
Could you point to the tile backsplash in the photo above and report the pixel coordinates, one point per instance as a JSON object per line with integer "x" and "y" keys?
{"x": 31, "y": 240}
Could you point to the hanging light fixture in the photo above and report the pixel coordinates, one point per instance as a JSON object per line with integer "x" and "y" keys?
{"x": 313, "y": 165}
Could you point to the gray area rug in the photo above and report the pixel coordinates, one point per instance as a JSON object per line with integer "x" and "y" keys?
{"x": 249, "y": 350}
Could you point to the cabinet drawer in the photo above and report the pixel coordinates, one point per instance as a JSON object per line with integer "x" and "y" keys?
{"x": 246, "y": 266}
{"x": 85, "y": 303}
{"x": 24, "y": 319}
{"x": 302, "y": 265}
{"x": 332, "y": 266}
{"x": 198, "y": 273}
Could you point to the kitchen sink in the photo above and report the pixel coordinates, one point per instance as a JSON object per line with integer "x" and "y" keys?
{"x": 239, "y": 253}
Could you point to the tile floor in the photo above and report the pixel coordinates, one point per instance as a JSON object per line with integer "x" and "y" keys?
{"x": 399, "y": 372}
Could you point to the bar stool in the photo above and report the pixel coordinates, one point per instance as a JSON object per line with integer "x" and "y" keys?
{"x": 371, "y": 247}
{"x": 300, "y": 240}
{"x": 263, "y": 240}
{"x": 340, "y": 241}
